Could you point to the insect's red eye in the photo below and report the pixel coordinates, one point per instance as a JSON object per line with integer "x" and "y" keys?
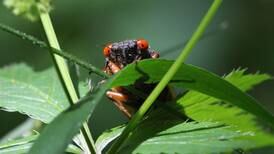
{"x": 107, "y": 50}
{"x": 142, "y": 44}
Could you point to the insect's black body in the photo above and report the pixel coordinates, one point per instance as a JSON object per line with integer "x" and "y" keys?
{"x": 126, "y": 52}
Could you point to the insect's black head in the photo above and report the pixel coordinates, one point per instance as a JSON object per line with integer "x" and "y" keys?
{"x": 126, "y": 52}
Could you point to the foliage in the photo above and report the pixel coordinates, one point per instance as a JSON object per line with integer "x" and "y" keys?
{"x": 39, "y": 95}
{"x": 23, "y": 145}
{"x": 162, "y": 130}
{"x": 241, "y": 133}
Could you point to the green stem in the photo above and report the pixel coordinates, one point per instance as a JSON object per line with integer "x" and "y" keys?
{"x": 167, "y": 77}
{"x": 63, "y": 72}
{"x": 60, "y": 63}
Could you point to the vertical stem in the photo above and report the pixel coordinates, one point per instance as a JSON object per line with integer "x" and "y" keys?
{"x": 167, "y": 77}
{"x": 63, "y": 72}
{"x": 59, "y": 61}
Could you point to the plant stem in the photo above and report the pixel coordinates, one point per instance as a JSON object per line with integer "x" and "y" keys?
{"x": 63, "y": 72}
{"x": 60, "y": 63}
{"x": 167, "y": 77}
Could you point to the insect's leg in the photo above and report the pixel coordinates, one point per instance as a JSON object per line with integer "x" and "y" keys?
{"x": 116, "y": 94}
{"x": 119, "y": 100}
{"x": 154, "y": 54}
{"x": 113, "y": 68}
{"x": 110, "y": 68}
{"x": 106, "y": 68}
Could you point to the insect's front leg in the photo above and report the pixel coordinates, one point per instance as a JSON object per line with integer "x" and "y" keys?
{"x": 154, "y": 54}
{"x": 111, "y": 68}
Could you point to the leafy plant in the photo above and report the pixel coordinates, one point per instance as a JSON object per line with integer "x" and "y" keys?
{"x": 214, "y": 116}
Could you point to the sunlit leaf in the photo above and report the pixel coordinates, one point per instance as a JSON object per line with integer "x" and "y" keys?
{"x": 107, "y": 137}
{"x": 165, "y": 133}
{"x": 24, "y": 144}
{"x": 201, "y": 107}
{"x": 37, "y": 94}
{"x": 17, "y": 146}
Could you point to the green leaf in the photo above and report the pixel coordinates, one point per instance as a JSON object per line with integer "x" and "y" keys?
{"x": 17, "y": 146}
{"x": 23, "y": 145}
{"x": 194, "y": 78}
{"x": 62, "y": 129}
{"x": 201, "y": 107}
{"x": 107, "y": 137}
{"x": 244, "y": 81}
{"x": 37, "y": 94}
{"x": 18, "y": 149}
{"x": 74, "y": 149}
{"x": 163, "y": 132}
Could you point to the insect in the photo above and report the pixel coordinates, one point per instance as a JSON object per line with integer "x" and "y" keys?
{"x": 117, "y": 56}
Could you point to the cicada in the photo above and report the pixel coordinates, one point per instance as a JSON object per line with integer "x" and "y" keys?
{"x": 117, "y": 56}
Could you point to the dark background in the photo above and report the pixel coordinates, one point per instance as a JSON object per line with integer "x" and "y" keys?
{"x": 241, "y": 35}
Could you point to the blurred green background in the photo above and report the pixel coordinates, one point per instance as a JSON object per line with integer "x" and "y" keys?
{"x": 241, "y": 35}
